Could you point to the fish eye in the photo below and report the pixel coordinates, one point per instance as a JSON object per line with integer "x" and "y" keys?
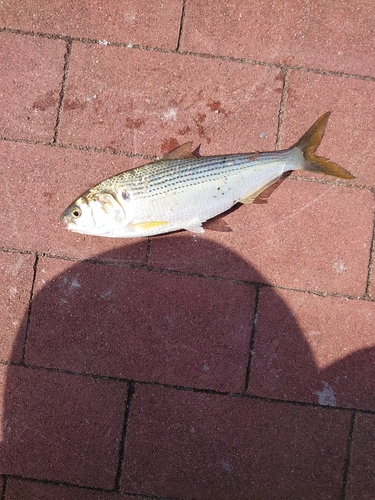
{"x": 76, "y": 212}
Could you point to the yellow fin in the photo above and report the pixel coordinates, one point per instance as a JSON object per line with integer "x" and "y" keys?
{"x": 143, "y": 226}
{"x": 183, "y": 151}
{"x": 251, "y": 196}
{"x": 309, "y": 143}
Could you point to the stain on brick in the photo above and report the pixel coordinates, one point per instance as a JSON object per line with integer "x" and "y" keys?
{"x": 73, "y": 104}
{"x": 168, "y": 145}
{"x": 185, "y": 130}
{"x": 216, "y": 107}
{"x": 43, "y": 102}
{"x": 134, "y": 123}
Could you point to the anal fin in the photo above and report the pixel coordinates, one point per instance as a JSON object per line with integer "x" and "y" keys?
{"x": 217, "y": 224}
{"x": 254, "y": 194}
{"x": 262, "y": 198}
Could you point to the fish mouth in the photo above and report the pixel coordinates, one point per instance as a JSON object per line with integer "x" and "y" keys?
{"x": 66, "y": 217}
{"x": 63, "y": 216}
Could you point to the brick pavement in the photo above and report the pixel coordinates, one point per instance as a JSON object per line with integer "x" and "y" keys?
{"x": 225, "y": 366}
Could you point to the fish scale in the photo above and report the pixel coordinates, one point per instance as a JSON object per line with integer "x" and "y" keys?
{"x": 161, "y": 176}
{"x": 182, "y": 191}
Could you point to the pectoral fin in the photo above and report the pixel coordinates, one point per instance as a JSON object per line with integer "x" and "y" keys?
{"x": 194, "y": 225}
{"x": 251, "y": 196}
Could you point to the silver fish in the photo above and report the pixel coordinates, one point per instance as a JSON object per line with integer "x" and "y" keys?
{"x": 182, "y": 191}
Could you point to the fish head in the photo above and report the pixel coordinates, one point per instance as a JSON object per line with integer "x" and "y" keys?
{"x": 94, "y": 213}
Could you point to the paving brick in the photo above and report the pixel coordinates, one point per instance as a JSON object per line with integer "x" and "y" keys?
{"x": 60, "y": 427}
{"x": 314, "y": 349}
{"x": 326, "y": 35}
{"x": 135, "y": 324}
{"x": 349, "y": 138}
{"x": 122, "y": 21}
{"x": 309, "y": 236}
{"x": 18, "y": 489}
{"x": 17, "y": 275}
{"x": 147, "y": 102}
{"x": 361, "y": 480}
{"x": 190, "y": 445}
{"x": 30, "y": 85}
{"x": 38, "y": 183}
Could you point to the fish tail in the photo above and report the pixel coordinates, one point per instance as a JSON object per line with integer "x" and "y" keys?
{"x": 309, "y": 142}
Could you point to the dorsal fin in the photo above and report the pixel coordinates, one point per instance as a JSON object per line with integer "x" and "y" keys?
{"x": 183, "y": 151}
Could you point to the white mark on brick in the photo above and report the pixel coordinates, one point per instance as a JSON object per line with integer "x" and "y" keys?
{"x": 226, "y": 466}
{"x": 13, "y": 292}
{"x": 129, "y": 16}
{"x": 70, "y": 287}
{"x": 106, "y": 294}
{"x": 339, "y": 267}
{"x": 14, "y": 268}
{"x": 170, "y": 115}
{"x": 326, "y": 397}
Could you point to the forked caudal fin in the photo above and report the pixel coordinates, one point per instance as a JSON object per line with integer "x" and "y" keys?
{"x": 309, "y": 142}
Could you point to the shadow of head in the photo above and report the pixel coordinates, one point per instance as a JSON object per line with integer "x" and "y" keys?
{"x": 195, "y": 320}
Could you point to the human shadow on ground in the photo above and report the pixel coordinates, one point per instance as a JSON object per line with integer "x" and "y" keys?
{"x": 94, "y": 326}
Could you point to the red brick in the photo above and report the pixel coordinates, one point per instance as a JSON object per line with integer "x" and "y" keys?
{"x": 18, "y": 489}
{"x": 330, "y": 35}
{"x": 148, "y": 102}
{"x": 136, "y": 324}
{"x": 49, "y": 179}
{"x": 361, "y": 480}
{"x": 17, "y": 275}
{"x": 124, "y": 21}
{"x": 31, "y": 75}
{"x": 190, "y": 445}
{"x": 350, "y": 133}
{"x": 61, "y": 427}
{"x": 314, "y": 349}
{"x": 309, "y": 236}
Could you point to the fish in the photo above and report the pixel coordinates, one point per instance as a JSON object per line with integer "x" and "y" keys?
{"x": 182, "y": 191}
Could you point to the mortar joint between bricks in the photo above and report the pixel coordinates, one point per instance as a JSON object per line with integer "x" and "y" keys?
{"x": 62, "y": 90}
